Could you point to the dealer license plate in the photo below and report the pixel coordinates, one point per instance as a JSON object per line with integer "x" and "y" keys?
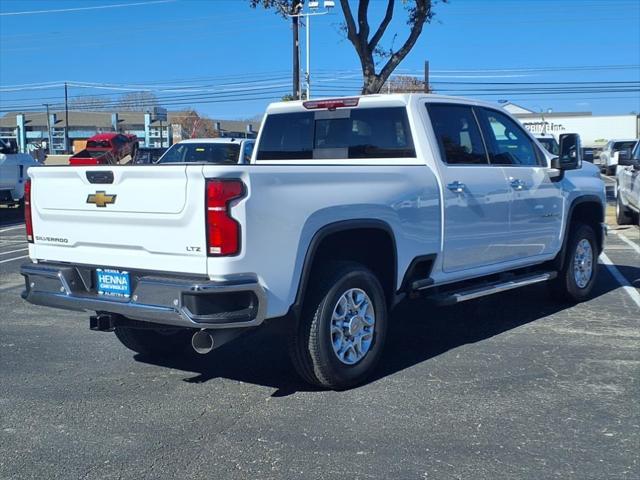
{"x": 113, "y": 282}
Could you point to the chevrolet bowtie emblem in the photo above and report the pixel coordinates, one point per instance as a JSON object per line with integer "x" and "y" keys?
{"x": 101, "y": 199}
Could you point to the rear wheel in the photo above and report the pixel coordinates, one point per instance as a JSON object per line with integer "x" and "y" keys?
{"x": 611, "y": 170}
{"x": 624, "y": 216}
{"x": 155, "y": 342}
{"x": 576, "y": 278}
{"x": 338, "y": 340}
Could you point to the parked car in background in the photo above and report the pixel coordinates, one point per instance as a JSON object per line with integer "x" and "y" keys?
{"x": 610, "y": 155}
{"x": 222, "y": 151}
{"x": 106, "y": 149}
{"x": 148, "y": 155}
{"x": 628, "y": 190}
{"x": 13, "y": 174}
{"x": 549, "y": 143}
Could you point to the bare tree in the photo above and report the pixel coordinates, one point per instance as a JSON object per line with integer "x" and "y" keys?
{"x": 137, "y": 101}
{"x": 88, "y": 103}
{"x": 403, "y": 84}
{"x": 368, "y": 46}
{"x": 195, "y": 125}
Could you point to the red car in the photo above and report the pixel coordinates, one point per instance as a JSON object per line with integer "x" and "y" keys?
{"x": 106, "y": 149}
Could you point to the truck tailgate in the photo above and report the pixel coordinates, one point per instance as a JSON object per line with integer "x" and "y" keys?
{"x": 131, "y": 217}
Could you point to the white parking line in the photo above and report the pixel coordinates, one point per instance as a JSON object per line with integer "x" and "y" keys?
{"x": 633, "y": 245}
{"x": 624, "y": 283}
{"x": 11, "y": 228}
{"x": 25, "y": 256}
{"x": 14, "y": 251}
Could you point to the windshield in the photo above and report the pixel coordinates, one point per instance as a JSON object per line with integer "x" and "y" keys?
{"x": 623, "y": 145}
{"x": 550, "y": 145}
{"x": 224, "y": 153}
{"x": 149, "y": 155}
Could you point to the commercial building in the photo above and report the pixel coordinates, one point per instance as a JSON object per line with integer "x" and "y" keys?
{"x": 29, "y": 130}
{"x": 595, "y": 130}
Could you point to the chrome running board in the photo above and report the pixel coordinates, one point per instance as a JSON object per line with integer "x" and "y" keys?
{"x": 471, "y": 292}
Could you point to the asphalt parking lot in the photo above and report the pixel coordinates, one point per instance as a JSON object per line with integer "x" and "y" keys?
{"x": 509, "y": 386}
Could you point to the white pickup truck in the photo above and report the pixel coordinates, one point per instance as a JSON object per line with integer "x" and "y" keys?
{"x": 610, "y": 155}
{"x": 348, "y": 206}
{"x": 13, "y": 174}
{"x": 628, "y": 190}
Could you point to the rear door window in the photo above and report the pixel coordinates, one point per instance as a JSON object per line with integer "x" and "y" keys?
{"x": 458, "y": 134}
{"x": 340, "y": 134}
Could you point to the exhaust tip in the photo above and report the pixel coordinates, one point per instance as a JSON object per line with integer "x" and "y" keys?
{"x": 202, "y": 342}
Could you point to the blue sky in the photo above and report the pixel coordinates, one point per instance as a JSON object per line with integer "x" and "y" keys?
{"x": 228, "y": 60}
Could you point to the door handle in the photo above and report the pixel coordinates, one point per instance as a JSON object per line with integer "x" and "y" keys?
{"x": 518, "y": 184}
{"x": 456, "y": 187}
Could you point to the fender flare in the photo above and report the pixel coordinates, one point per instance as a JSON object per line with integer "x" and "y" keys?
{"x": 560, "y": 259}
{"x": 330, "y": 229}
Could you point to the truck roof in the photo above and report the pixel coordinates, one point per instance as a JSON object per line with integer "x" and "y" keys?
{"x": 104, "y": 136}
{"x": 216, "y": 140}
{"x": 381, "y": 99}
{"x": 109, "y": 136}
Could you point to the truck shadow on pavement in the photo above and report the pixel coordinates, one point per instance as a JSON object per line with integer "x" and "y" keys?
{"x": 417, "y": 333}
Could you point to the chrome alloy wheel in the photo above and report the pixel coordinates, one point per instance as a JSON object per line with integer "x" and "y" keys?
{"x": 583, "y": 263}
{"x": 352, "y": 326}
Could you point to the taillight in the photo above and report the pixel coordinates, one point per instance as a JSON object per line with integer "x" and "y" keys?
{"x": 330, "y": 104}
{"x": 27, "y": 210}
{"x": 223, "y": 231}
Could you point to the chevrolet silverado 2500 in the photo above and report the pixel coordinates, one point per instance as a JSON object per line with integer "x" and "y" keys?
{"x": 348, "y": 206}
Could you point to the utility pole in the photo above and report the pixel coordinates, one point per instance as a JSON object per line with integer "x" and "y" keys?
{"x": 426, "y": 77}
{"x": 66, "y": 120}
{"x": 48, "y": 128}
{"x": 295, "y": 23}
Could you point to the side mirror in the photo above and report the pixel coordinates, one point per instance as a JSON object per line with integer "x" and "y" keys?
{"x": 570, "y": 157}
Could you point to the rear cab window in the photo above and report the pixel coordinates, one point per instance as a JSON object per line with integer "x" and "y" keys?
{"x": 342, "y": 134}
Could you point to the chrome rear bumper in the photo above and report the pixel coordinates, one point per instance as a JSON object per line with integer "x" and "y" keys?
{"x": 237, "y": 301}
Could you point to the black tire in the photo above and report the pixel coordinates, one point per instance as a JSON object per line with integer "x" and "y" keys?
{"x": 565, "y": 287}
{"x": 310, "y": 344}
{"x": 623, "y": 214}
{"x": 155, "y": 342}
{"x": 611, "y": 171}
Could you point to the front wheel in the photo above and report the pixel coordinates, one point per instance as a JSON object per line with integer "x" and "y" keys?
{"x": 155, "y": 342}
{"x": 338, "y": 340}
{"x": 576, "y": 278}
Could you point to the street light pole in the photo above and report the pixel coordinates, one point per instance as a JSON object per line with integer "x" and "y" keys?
{"x": 66, "y": 120}
{"x": 328, "y": 4}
